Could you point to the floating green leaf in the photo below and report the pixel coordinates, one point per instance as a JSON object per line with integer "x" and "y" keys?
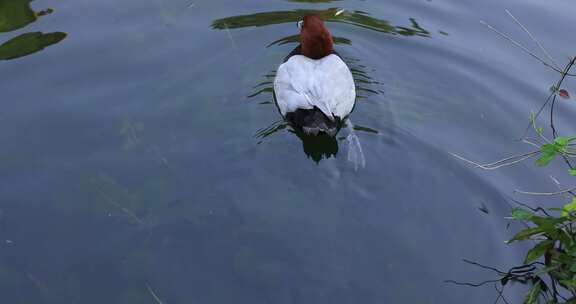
{"x": 547, "y": 223}
{"x": 28, "y": 43}
{"x": 548, "y": 153}
{"x": 15, "y": 14}
{"x": 522, "y": 214}
{"x": 539, "y": 250}
{"x": 561, "y": 140}
{"x": 545, "y": 159}
{"x": 526, "y": 234}
{"x": 572, "y": 172}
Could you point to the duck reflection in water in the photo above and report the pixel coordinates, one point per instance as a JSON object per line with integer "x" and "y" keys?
{"x": 316, "y": 147}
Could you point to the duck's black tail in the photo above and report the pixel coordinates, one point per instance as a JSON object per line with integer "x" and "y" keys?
{"x": 313, "y": 122}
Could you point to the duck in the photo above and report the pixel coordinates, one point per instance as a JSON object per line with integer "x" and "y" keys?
{"x": 314, "y": 88}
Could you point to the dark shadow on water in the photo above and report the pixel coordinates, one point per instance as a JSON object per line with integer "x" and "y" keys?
{"x": 318, "y": 147}
{"x": 16, "y": 14}
{"x": 315, "y": 147}
{"x": 296, "y": 39}
{"x": 322, "y": 147}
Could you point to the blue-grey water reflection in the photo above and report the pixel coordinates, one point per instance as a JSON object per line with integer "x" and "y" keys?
{"x": 142, "y": 156}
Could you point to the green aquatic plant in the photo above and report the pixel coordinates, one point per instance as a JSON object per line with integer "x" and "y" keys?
{"x": 550, "y": 265}
{"x": 17, "y": 14}
{"x": 552, "y": 230}
{"x": 554, "y": 252}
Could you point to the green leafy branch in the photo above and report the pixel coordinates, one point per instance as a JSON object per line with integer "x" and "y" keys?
{"x": 550, "y": 265}
{"x": 555, "y": 240}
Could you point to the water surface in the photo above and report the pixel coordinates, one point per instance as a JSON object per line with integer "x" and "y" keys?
{"x": 142, "y": 154}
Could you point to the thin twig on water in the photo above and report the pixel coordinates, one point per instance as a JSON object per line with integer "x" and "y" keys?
{"x": 533, "y": 39}
{"x": 508, "y": 161}
{"x": 117, "y": 205}
{"x": 564, "y": 73}
{"x": 232, "y": 42}
{"x": 471, "y": 284}
{"x": 552, "y": 97}
{"x": 153, "y": 294}
{"x": 531, "y": 142}
{"x": 557, "y": 183}
{"x": 500, "y": 295}
{"x": 546, "y": 193}
{"x": 533, "y": 119}
{"x": 534, "y": 209}
{"x": 523, "y": 48}
{"x": 498, "y": 271}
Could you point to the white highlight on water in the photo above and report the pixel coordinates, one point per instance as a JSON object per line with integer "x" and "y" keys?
{"x": 355, "y": 154}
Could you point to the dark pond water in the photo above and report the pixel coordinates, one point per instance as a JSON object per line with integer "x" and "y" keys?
{"x": 142, "y": 155}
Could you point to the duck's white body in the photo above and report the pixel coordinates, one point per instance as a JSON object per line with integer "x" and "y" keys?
{"x": 326, "y": 83}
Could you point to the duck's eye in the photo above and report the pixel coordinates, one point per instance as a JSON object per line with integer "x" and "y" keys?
{"x": 300, "y": 23}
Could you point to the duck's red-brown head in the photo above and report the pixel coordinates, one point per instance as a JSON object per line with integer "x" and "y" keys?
{"x": 315, "y": 39}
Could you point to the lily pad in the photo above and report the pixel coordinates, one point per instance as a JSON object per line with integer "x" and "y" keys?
{"x": 15, "y": 14}
{"x": 28, "y": 43}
